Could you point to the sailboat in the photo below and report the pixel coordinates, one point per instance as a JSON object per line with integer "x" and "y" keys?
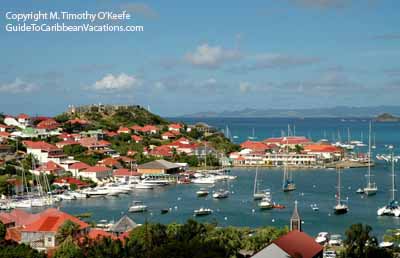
{"x": 253, "y": 137}
{"x": 340, "y": 208}
{"x": 257, "y": 194}
{"x": 392, "y": 209}
{"x": 371, "y": 187}
{"x": 374, "y": 145}
{"x": 288, "y": 182}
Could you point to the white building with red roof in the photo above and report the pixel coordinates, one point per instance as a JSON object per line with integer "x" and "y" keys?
{"x": 52, "y": 168}
{"x": 44, "y": 151}
{"x": 94, "y": 144}
{"x": 47, "y": 125}
{"x": 168, "y": 136}
{"x": 175, "y": 127}
{"x": 77, "y": 167}
{"x": 124, "y": 130}
{"x": 41, "y": 233}
{"x": 96, "y": 173}
{"x": 290, "y": 141}
{"x": 24, "y": 119}
{"x": 136, "y": 138}
{"x": 325, "y": 152}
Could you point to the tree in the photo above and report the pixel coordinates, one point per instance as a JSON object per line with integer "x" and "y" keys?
{"x": 73, "y": 187}
{"x": 68, "y": 249}
{"x": 2, "y": 231}
{"x": 74, "y": 149}
{"x": 69, "y": 228}
{"x": 359, "y": 243}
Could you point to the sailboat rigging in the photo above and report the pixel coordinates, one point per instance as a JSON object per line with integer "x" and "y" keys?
{"x": 371, "y": 187}
{"x": 340, "y": 207}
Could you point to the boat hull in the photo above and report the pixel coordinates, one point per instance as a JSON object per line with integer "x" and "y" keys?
{"x": 340, "y": 211}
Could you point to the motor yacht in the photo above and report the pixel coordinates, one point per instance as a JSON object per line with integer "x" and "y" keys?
{"x": 137, "y": 206}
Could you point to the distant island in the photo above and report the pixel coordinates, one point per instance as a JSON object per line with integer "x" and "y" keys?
{"x": 339, "y": 112}
{"x": 386, "y": 117}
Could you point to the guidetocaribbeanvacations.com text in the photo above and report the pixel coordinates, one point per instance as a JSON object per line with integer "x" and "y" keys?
{"x": 61, "y": 27}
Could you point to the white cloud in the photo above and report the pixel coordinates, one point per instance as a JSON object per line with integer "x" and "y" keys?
{"x": 140, "y": 9}
{"x": 18, "y": 86}
{"x": 244, "y": 87}
{"x": 119, "y": 82}
{"x": 211, "y": 56}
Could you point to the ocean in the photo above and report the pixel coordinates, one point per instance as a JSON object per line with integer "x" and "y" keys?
{"x": 314, "y": 186}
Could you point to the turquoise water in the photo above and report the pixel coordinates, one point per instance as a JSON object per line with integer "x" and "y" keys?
{"x": 313, "y": 185}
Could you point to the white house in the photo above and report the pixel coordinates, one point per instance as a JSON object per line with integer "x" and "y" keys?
{"x": 44, "y": 151}
{"x": 96, "y": 173}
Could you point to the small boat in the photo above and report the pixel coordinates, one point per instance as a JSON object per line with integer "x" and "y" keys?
{"x": 137, "y": 206}
{"x": 203, "y": 212}
{"x": 322, "y": 238}
{"x": 360, "y": 191}
{"x": 164, "y": 211}
{"x": 78, "y": 195}
{"x": 314, "y": 207}
{"x": 202, "y": 192}
{"x": 279, "y": 206}
{"x": 266, "y": 204}
{"x": 340, "y": 208}
{"x": 204, "y": 180}
{"x": 221, "y": 194}
{"x": 142, "y": 185}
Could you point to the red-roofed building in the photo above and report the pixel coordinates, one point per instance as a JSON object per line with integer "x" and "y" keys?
{"x": 168, "y": 135}
{"x": 111, "y": 134}
{"x": 324, "y": 152}
{"x": 97, "y": 234}
{"x": 124, "y": 130}
{"x": 66, "y": 143}
{"x": 150, "y": 129}
{"x": 254, "y": 146}
{"x": 175, "y": 127}
{"x": 44, "y": 151}
{"x": 136, "y": 138}
{"x": 78, "y": 121}
{"x": 293, "y": 244}
{"x": 93, "y": 144}
{"x": 96, "y": 173}
{"x": 51, "y": 167}
{"x": 136, "y": 128}
{"x": 124, "y": 174}
{"x": 290, "y": 141}
{"x": 110, "y": 162}
{"x": 41, "y": 234}
{"x": 77, "y": 167}
{"x": 4, "y": 128}
{"x": 161, "y": 151}
{"x": 4, "y": 136}
{"x": 67, "y": 181}
{"x": 24, "y": 119}
{"x": 48, "y": 125}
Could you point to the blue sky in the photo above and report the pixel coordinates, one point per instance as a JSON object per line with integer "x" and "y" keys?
{"x": 207, "y": 55}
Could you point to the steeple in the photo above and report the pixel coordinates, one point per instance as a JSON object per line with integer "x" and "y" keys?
{"x": 295, "y": 220}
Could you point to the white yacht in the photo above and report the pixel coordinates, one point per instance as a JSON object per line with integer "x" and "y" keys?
{"x": 143, "y": 185}
{"x": 202, "y": 192}
{"x": 137, "y": 206}
{"x": 221, "y": 194}
{"x": 93, "y": 192}
{"x": 66, "y": 196}
{"x": 78, "y": 194}
{"x": 21, "y": 204}
{"x": 203, "y": 212}
{"x": 204, "y": 180}
{"x": 322, "y": 238}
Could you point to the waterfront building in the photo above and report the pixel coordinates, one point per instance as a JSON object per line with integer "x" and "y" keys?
{"x": 96, "y": 173}
{"x": 289, "y": 141}
{"x": 159, "y": 167}
{"x": 77, "y": 167}
{"x": 274, "y": 159}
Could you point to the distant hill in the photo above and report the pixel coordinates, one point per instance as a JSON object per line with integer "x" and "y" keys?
{"x": 339, "y": 111}
{"x": 386, "y": 117}
{"x": 111, "y": 116}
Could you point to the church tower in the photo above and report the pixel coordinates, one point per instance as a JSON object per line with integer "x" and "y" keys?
{"x": 295, "y": 221}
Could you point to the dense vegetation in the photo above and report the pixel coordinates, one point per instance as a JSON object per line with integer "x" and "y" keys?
{"x": 191, "y": 239}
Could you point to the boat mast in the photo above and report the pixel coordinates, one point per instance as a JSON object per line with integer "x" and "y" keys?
{"x": 338, "y": 187}
{"x": 255, "y": 181}
{"x": 369, "y": 156}
{"x": 393, "y": 179}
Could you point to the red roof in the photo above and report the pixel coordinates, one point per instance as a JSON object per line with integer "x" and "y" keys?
{"x": 4, "y": 134}
{"x": 168, "y": 134}
{"x": 110, "y": 162}
{"x": 175, "y": 126}
{"x": 124, "y": 130}
{"x": 163, "y": 150}
{"x": 49, "y": 124}
{"x": 50, "y": 220}
{"x": 111, "y": 134}
{"x": 149, "y": 128}
{"x": 65, "y": 143}
{"x": 321, "y": 148}
{"x": 13, "y": 234}
{"x": 136, "y": 138}
{"x": 78, "y": 121}
{"x": 137, "y": 128}
{"x": 79, "y": 166}
{"x": 40, "y": 146}
{"x": 255, "y": 146}
{"x": 50, "y": 166}
{"x": 22, "y": 116}
{"x": 3, "y": 126}
{"x": 70, "y": 180}
{"x": 288, "y": 140}
{"x": 96, "y": 169}
{"x": 99, "y": 233}
{"x": 125, "y": 172}
{"x": 19, "y": 217}
{"x": 91, "y": 142}
{"x": 299, "y": 244}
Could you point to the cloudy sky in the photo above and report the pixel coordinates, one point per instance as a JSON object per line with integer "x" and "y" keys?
{"x": 207, "y": 55}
